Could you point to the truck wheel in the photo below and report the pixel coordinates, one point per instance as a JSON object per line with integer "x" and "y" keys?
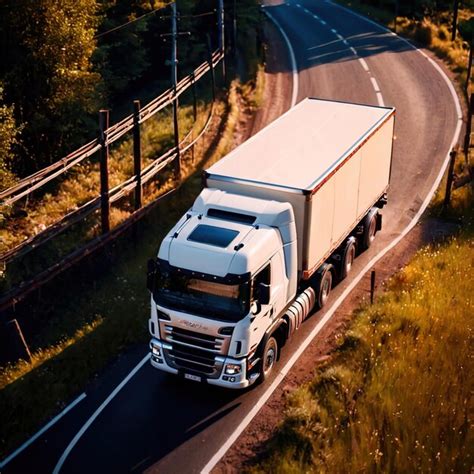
{"x": 269, "y": 357}
{"x": 370, "y": 228}
{"x": 348, "y": 257}
{"x": 323, "y": 285}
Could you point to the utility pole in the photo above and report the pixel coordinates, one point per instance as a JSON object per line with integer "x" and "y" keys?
{"x": 455, "y": 19}
{"x": 174, "y": 82}
{"x": 397, "y": 8}
{"x": 234, "y": 28}
{"x": 221, "y": 41}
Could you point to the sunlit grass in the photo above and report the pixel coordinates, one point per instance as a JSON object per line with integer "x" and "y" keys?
{"x": 12, "y": 372}
{"x": 396, "y": 395}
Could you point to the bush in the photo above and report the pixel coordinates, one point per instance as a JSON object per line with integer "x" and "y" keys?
{"x": 423, "y": 34}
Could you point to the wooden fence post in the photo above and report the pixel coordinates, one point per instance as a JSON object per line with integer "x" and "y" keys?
{"x": 211, "y": 66}
{"x": 193, "y": 82}
{"x": 372, "y": 286}
{"x": 449, "y": 181}
{"x": 467, "y": 137}
{"x": 104, "y": 171}
{"x": 18, "y": 347}
{"x": 137, "y": 154}
{"x": 469, "y": 67}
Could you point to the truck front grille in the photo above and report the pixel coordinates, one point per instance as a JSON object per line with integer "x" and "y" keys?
{"x": 194, "y": 351}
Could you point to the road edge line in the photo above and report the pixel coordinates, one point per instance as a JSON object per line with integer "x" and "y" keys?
{"x": 42, "y": 431}
{"x": 294, "y": 67}
{"x": 92, "y": 418}
{"x": 282, "y": 374}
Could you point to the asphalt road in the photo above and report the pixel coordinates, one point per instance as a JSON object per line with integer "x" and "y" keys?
{"x": 161, "y": 424}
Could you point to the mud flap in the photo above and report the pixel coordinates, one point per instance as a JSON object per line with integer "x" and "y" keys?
{"x": 378, "y": 224}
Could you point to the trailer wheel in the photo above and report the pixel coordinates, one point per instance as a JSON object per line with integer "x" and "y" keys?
{"x": 323, "y": 284}
{"x": 269, "y": 357}
{"x": 348, "y": 257}
{"x": 370, "y": 228}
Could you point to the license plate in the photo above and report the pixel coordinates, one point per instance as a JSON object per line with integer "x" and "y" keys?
{"x": 196, "y": 378}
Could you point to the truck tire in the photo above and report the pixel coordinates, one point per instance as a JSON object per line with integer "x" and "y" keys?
{"x": 347, "y": 257}
{"x": 269, "y": 357}
{"x": 370, "y": 228}
{"x": 323, "y": 284}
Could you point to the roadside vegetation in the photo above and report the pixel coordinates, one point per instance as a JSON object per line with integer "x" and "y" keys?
{"x": 396, "y": 393}
{"x": 429, "y": 24}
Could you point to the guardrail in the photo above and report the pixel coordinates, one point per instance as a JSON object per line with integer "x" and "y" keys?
{"x": 101, "y": 144}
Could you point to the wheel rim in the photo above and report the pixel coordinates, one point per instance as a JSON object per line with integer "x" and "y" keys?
{"x": 350, "y": 259}
{"x": 270, "y": 356}
{"x": 325, "y": 288}
{"x": 372, "y": 229}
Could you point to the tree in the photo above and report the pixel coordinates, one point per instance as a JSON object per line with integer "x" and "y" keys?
{"x": 122, "y": 57}
{"x": 8, "y": 139}
{"x": 48, "y": 74}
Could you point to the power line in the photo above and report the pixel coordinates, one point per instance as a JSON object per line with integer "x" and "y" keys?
{"x": 128, "y": 23}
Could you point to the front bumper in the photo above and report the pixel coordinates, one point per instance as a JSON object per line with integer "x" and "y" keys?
{"x": 237, "y": 381}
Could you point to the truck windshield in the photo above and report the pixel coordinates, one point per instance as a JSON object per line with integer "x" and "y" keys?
{"x": 210, "y": 299}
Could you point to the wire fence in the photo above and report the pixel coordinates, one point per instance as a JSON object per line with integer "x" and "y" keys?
{"x": 108, "y": 136}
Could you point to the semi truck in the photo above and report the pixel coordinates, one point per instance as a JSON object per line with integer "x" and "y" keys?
{"x": 279, "y": 221}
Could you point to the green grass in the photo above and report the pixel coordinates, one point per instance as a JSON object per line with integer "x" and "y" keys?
{"x": 76, "y": 341}
{"x": 396, "y": 394}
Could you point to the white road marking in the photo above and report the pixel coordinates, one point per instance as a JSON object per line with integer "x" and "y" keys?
{"x": 374, "y": 84}
{"x": 340, "y": 36}
{"x": 380, "y": 99}
{"x": 345, "y": 42}
{"x": 294, "y": 67}
{"x": 364, "y": 64}
{"x": 353, "y": 50}
{"x": 41, "y": 431}
{"x": 334, "y": 31}
{"x": 99, "y": 410}
{"x": 323, "y": 22}
{"x": 281, "y": 375}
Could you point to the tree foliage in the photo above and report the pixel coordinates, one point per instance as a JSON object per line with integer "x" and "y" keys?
{"x": 48, "y": 73}
{"x": 62, "y": 60}
{"x": 8, "y": 139}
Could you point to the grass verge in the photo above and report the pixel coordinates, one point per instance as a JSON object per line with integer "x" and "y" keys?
{"x": 396, "y": 394}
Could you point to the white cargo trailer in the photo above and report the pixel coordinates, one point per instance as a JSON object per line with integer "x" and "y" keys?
{"x": 280, "y": 220}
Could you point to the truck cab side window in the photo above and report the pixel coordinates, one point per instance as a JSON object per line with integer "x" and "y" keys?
{"x": 262, "y": 277}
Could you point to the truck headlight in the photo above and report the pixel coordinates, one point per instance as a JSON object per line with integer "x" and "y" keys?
{"x": 233, "y": 369}
{"x": 155, "y": 350}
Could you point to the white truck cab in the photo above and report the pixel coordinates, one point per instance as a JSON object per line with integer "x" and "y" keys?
{"x": 264, "y": 242}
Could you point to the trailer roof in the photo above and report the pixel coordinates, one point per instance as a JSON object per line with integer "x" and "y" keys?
{"x": 299, "y": 149}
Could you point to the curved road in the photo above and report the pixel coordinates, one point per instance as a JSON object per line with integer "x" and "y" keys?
{"x": 161, "y": 424}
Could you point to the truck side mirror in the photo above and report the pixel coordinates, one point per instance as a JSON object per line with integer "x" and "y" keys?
{"x": 263, "y": 293}
{"x": 152, "y": 268}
